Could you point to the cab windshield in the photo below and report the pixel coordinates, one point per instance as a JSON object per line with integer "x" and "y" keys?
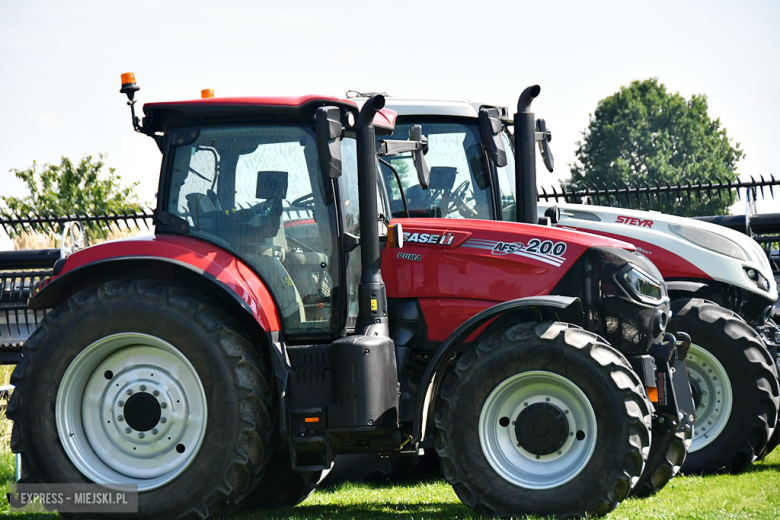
{"x": 259, "y": 193}
{"x": 459, "y": 182}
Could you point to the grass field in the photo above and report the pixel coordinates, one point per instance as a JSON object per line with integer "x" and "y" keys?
{"x": 754, "y": 494}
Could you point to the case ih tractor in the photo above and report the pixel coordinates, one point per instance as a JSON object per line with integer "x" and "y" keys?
{"x": 273, "y": 321}
{"x": 719, "y": 280}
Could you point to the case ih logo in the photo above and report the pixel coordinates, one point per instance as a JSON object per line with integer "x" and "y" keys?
{"x": 429, "y": 238}
{"x": 634, "y": 221}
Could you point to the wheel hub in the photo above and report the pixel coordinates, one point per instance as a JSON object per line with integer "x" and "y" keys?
{"x": 541, "y": 428}
{"x": 712, "y": 395}
{"x": 142, "y": 412}
{"x": 131, "y": 409}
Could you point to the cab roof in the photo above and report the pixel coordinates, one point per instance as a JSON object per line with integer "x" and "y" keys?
{"x": 426, "y": 107}
{"x": 159, "y": 117}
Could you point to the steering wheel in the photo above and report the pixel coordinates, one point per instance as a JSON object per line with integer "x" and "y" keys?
{"x": 457, "y": 200}
{"x": 307, "y": 201}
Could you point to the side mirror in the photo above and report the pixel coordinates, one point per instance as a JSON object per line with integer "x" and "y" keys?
{"x": 329, "y": 131}
{"x": 423, "y": 173}
{"x": 491, "y": 127}
{"x": 544, "y": 136}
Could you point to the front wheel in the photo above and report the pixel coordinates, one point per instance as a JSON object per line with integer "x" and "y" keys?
{"x": 542, "y": 419}
{"x": 734, "y": 385}
{"x": 137, "y": 382}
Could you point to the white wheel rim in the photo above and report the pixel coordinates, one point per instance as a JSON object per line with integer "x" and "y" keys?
{"x": 90, "y": 409}
{"x": 712, "y": 414}
{"x": 499, "y": 443}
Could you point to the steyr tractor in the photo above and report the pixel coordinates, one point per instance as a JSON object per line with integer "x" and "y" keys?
{"x": 720, "y": 281}
{"x": 277, "y": 318}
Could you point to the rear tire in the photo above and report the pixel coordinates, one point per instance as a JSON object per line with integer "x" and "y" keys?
{"x": 555, "y": 369}
{"x": 734, "y": 383}
{"x": 185, "y": 364}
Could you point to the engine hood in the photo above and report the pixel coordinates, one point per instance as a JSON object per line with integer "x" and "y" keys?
{"x": 675, "y": 256}
{"x": 482, "y": 260}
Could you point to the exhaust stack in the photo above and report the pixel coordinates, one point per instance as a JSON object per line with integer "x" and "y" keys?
{"x": 525, "y": 158}
{"x": 372, "y": 298}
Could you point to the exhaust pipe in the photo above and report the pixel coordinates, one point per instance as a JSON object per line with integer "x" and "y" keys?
{"x": 525, "y": 158}
{"x": 372, "y": 298}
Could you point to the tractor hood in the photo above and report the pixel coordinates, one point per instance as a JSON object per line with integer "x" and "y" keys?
{"x": 482, "y": 260}
{"x": 681, "y": 248}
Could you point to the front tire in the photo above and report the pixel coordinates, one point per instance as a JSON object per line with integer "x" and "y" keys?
{"x": 581, "y": 420}
{"x": 734, "y": 384}
{"x": 138, "y": 382}
{"x": 667, "y": 454}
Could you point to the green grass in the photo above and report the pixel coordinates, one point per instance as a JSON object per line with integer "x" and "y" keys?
{"x": 751, "y": 495}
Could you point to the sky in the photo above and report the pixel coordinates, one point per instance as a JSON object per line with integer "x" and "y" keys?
{"x": 60, "y": 65}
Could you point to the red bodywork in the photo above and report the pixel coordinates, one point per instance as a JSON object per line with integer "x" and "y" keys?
{"x": 202, "y": 256}
{"x": 461, "y": 268}
{"x": 466, "y": 266}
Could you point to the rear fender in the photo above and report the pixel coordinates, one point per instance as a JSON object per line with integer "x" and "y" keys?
{"x": 165, "y": 257}
{"x": 434, "y": 373}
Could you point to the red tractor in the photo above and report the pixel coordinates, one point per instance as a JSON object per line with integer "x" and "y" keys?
{"x": 230, "y": 356}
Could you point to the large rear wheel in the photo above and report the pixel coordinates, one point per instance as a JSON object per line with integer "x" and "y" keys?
{"x": 542, "y": 419}
{"x": 734, "y": 385}
{"x": 138, "y": 382}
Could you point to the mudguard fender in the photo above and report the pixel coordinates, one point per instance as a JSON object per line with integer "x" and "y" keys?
{"x": 434, "y": 373}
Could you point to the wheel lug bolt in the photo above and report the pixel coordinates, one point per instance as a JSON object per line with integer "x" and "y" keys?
{"x": 537, "y": 457}
{"x": 163, "y": 405}
{"x": 546, "y": 398}
{"x": 121, "y": 404}
{"x": 155, "y": 393}
{"x": 143, "y": 388}
{"x": 129, "y": 391}
{"x": 566, "y": 411}
{"x": 559, "y": 452}
{"x": 154, "y": 431}
{"x": 571, "y": 434}
{"x": 120, "y": 418}
{"x": 140, "y": 435}
{"x": 525, "y": 404}
{"x": 163, "y": 420}
{"x": 513, "y": 422}
{"x": 518, "y": 444}
{"x": 699, "y": 380}
{"x": 128, "y": 430}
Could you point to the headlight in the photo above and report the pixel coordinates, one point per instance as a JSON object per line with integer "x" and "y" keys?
{"x": 643, "y": 286}
{"x": 709, "y": 240}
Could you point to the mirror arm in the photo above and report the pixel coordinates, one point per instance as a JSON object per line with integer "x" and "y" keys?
{"x": 389, "y": 148}
{"x": 400, "y": 187}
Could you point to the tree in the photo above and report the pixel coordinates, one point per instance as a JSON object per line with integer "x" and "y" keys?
{"x": 642, "y": 133}
{"x": 67, "y": 189}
